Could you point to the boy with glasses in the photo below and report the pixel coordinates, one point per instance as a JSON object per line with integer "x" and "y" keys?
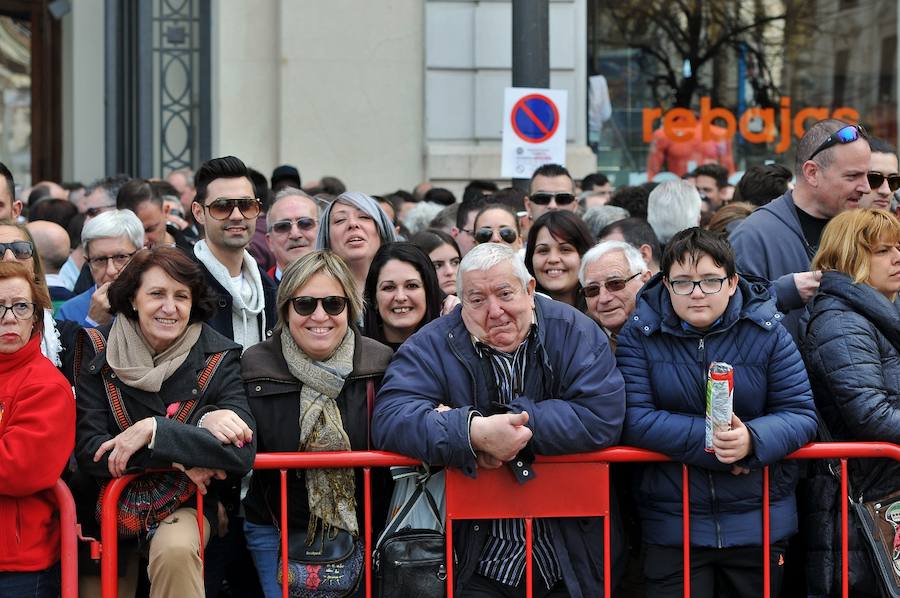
{"x": 698, "y": 311}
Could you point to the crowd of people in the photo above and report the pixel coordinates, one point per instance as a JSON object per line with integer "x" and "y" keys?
{"x": 216, "y": 314}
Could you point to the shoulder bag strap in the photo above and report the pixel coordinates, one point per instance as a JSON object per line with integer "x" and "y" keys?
{"x": 187, "y": 407}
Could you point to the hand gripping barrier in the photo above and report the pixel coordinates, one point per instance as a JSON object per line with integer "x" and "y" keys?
{"x": 564, "y": 486}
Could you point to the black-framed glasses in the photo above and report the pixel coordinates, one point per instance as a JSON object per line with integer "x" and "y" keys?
{"x": 613, "y": 285}
{"x": 119, "y": 260}
{"x": 283, "y": 227}
{"x": 708, "y": 286}
{"x": 306, "y": 305}
{"x": 22, "y": 310}
{"x": 485, "y": 233}
{"x": 543, "y": 198}
{"x": 21, "y": 250}
{"x": 847, "y": 134}
{"x": 876, "y": 179}
{"x": 94, "y": 212}
{"x": 221, "y": 208}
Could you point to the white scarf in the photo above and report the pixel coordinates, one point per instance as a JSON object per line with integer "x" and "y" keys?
{"x": 245, "y": 331}
{"x": 50, "y": 343}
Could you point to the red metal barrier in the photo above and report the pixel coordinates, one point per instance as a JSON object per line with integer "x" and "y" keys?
{"x": 68, "y": 535}
{"x": 526, "y": 501}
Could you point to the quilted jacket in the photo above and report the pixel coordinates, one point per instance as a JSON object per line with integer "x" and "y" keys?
{"x": 665, "y": 365}
{"x": 850, "y": 344}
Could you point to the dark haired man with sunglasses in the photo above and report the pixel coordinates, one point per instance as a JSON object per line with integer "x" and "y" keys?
{"x": 551, "y": 188}
{"x": 884, "y": 176}
{"x": 778, "y": 240}
{"x": 292, "y": 224}
{"x": 227, "y": 208}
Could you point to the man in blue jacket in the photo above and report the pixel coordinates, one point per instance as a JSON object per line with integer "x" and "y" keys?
{"x": 779, "y": 240}
{"x": 503, "y": 377}
{"x": 698, "y": 310}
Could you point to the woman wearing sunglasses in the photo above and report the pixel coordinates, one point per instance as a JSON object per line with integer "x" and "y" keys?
{"x": 310, "y": 388}
{"x": 37, "y": 433}
{"x": 402, "y": 292}
{"x": 556, "y": 242}
{"x": 497, "y": 223}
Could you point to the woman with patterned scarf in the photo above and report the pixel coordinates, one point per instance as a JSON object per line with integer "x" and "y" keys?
{"x": 309, "y": 387}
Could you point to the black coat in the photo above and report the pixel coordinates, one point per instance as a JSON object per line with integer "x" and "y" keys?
{"x": 274, "y": 396}
{"x": 221, "y": 320}
{"x": 850, "y": 345}
{"x": 183, "y": 443}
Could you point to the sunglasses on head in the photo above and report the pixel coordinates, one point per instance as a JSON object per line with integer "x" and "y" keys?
{"x": 305, "y": 305}
{"x": 876, "y": 179}
{"x": 486, "y": 233}
{"x": 283, "y": 227}
{"x": 847, "y": 134}
{"x": 543, "y": 199}
{"x": 21, "y": 250}
{"x": 614, "y": 285}
{"x": 221, "y": 208}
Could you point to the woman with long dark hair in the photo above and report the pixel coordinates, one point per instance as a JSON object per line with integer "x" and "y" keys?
{"x": 401, "y": 294}
{"x": 556, "y": 242}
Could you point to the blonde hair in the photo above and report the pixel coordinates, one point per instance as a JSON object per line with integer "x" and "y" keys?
{"x": 299, "y": 273}
{"x": 850, "y": 239}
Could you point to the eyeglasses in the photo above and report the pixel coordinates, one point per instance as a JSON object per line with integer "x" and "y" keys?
{"x": 876, "y": 179}
{"x": 21, "y": 250}
{"x": 119, "y": 260}
{"x": 613, "y": 285}
{"x": 94, "y": 212}
{"x": 708, "y": 286}
{"x": 305, "y": 305}
{"x": 542, "y": 199}
{"x": 222, "y": 208}
{"x": 283, "y": 227}
{"x": 848, "y": 134}
{"x": 485, "y": 233}
{"x": 22, "y": 310}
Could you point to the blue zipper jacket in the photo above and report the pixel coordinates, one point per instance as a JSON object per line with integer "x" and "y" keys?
{"x": 665, "y": 369}
{"x": 574, "y": 396}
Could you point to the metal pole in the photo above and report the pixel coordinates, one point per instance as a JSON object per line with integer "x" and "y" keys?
{"x": 530, "y": 50}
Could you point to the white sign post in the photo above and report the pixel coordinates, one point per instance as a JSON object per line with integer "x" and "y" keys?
{"x": 534, "y": 130}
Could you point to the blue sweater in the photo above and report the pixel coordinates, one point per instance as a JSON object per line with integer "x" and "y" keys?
{"x": 665, "y": 369}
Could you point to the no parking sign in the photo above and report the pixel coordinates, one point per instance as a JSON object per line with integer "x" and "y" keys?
{"x": 534, "y": 130}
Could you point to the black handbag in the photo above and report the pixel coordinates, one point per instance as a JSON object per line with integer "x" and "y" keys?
{"x": 880, "y": 523}
{"x": 411, "y": 561}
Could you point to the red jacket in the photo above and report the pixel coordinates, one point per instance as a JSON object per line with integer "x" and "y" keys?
{"x": 37, "y": 435}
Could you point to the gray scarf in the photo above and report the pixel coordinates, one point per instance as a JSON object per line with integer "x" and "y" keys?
{"x": 332, "y": 492}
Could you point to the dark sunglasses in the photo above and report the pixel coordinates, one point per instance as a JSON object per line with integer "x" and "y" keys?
{"x": 22, "y": 250}
{"x": 305, "y": 305}
{"x": 221, "y": 208}
{"x": 876, "y": 179}
{"x": 848, "y": 134}
{"x": 283, "y": 227}
{"x": 613, "y": 285}
{"x": 485, "y": 233}
{"x": 543, "y": 199}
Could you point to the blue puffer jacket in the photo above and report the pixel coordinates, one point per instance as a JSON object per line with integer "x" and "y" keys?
{"x": 574, "y": 396}
{"x": 665, "y": 370}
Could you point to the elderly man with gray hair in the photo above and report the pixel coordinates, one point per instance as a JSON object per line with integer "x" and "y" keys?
{"x": 109, "y": 241}
{"x": 672, "y": 207}
{"x": 504, "y": 377}
{"x": 611, "y": 274}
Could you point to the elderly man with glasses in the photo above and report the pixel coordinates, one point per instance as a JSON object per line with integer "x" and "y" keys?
{"x": 109, "y": 241}
{"x": 779, "y": 240}
{"x": 292, "y": 224}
